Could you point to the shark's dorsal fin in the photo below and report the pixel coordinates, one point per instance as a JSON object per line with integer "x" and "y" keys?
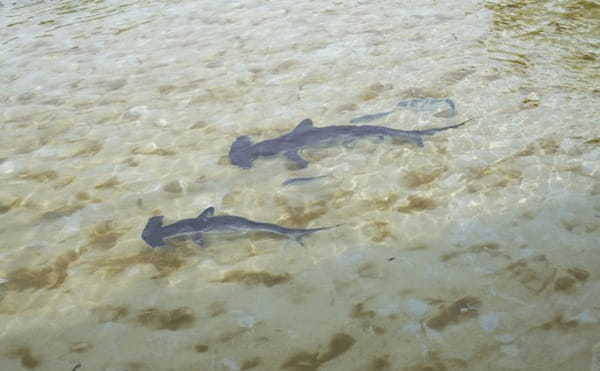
{"x": 207, "y": 213}
{"x": 304, "y": 125}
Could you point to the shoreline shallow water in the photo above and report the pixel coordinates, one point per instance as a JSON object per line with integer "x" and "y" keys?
{"x": 477, "y": 251}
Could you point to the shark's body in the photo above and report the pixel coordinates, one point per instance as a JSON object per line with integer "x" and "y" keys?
{"x": 155, "y": 233}
{"x": 302, "y": 180}
{"x": 243, "y": 152}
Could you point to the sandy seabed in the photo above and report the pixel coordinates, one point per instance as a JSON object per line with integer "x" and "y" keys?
{"x": 477, "y": 252}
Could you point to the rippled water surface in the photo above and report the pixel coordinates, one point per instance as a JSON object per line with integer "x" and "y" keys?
{"x": 478, "y": 251}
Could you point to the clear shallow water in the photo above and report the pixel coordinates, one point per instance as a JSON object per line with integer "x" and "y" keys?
{"x": 475, "y": 252}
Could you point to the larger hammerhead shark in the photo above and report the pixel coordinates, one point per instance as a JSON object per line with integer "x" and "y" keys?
{"x": 243, "y": 152}
{"x": 155, "y": 233}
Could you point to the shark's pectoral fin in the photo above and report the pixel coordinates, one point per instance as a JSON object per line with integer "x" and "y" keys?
{"x": 207, "y": 213}
{"x": 198, "y": 240}
{"x": 295, "y": 157}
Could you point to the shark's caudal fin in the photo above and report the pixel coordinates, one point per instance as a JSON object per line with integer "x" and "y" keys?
{"x": 435, "y": 130}
{"x": 299, "y": 235}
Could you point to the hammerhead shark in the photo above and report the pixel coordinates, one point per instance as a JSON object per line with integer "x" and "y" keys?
{"x": 155, "y": 233}
{"x": 243, "y": 152}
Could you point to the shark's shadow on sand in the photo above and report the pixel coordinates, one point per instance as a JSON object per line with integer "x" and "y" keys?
{"x": 243, "y": 152}
{"x": 157, "y": 235}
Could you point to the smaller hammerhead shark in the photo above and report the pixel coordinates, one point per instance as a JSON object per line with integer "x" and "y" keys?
{"x": 243, "y": 152}
{"x": 419, "y": 104}
{"x": 155, "y": 233}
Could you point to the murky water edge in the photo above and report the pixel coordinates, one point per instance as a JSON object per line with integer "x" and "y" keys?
{"x": 475, "y": 252}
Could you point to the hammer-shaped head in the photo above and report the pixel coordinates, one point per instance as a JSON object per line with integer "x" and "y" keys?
{"x": 241, "y": 154}
{"x": 152, "y": 233}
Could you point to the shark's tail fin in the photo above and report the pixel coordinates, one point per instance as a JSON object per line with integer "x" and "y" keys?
{"x": 435, "y": 130}
{"x": 300, "y": 234}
